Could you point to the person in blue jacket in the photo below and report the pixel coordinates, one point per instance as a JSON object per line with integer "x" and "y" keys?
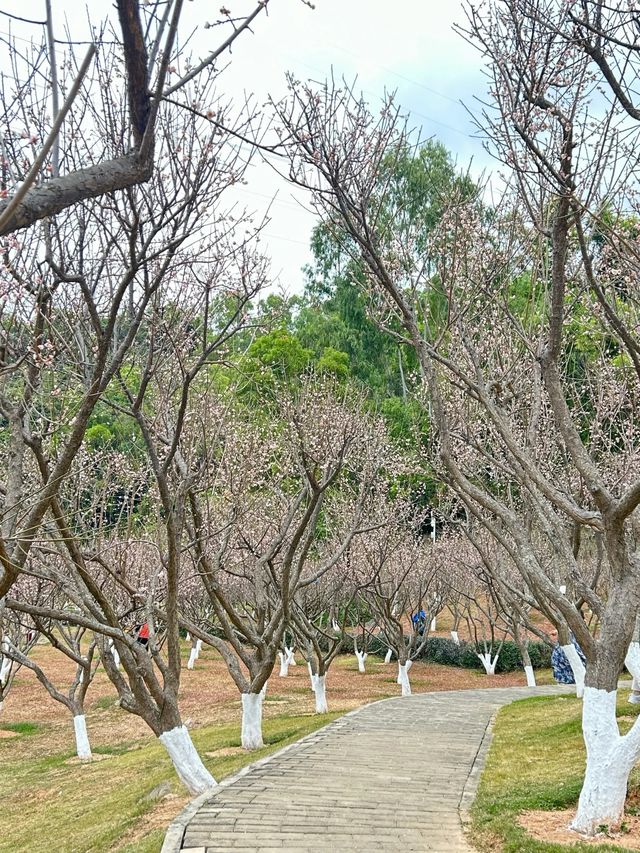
{"x": 419, "y": 621}
{"x": 560, "y": 665}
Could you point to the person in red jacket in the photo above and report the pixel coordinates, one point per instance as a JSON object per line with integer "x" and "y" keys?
{"x": 142, "y": 633}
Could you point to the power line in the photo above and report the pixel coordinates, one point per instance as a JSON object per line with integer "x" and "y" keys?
{"x": 428, "y": 118}
{"x": 399, "y": 76}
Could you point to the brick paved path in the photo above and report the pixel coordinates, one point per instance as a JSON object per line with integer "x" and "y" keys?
{"x": 392, "y": 776}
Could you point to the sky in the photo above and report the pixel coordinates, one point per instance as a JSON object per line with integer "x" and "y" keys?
{"x": 408, "y": 47}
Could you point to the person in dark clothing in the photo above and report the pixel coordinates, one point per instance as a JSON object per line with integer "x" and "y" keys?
{"x": 562, "y": 671}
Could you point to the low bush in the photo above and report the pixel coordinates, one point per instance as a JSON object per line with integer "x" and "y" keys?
{"x": 444, "y": 651}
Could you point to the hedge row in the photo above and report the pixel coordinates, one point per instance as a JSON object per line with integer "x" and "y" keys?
{"x": 445, "y": 651}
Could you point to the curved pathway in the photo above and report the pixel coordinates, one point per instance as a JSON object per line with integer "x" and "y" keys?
{"x": 397, "y": 775}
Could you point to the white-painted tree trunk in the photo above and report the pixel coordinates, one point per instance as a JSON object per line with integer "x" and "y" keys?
{"x": 403, "y": 678}
{"x": 577, "y": 666}
{"x": 631, "y": 661}
{"x": 251, "y": 737}
{"x": 408, "y": 666}
{"x": 284, "y": 665}
{"x": 362, "y": 656}
{"x": 610, "y": 758}
{"x": 488, "y": 664}
{"x": 455, "y": 638}
{"x": 433, "y": 625}
{"x": 311, "y": 676}
{"x": 194, "y": 654}
{"x": 320, "y": 690}
{"x": 114, "y": 654}
{"x": 387, "y": 657}
{"x": 188, "y": 764}
{"x": 531, "y": 679}
{"x": 290, "y": 654}
{"x": 192, "y": 658}
{"x": 5, "y": 669}
{"x": 83, "y": 748}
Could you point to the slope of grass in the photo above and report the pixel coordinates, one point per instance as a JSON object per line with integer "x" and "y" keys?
{"x": 54, "y": 803}
{"x": 536, "y": 762}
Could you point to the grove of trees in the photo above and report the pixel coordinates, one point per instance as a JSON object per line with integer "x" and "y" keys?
{"x": 443, "y": 418}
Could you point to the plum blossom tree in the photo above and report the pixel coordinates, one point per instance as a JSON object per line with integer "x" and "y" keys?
{"x": 40, "y": 177}
{"x": 147, "y": 317}
{"x": 535, "y": 424}
{"x": 263, "y": 499}
{"x": 71, "y": 642}
{"x": 16, "y": 632}
{"x": 401, "y": 581}
{"x": 321, "y": 615}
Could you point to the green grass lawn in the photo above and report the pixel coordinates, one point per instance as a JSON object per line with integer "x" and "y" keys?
{"x": 536, "y": 761}
{"x": 53, "y": 803}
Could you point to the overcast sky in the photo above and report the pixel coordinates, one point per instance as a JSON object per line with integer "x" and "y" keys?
{"x": 407, "y": 46}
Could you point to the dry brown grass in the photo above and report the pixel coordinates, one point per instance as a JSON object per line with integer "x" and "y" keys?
{"x": 208, "y": 695}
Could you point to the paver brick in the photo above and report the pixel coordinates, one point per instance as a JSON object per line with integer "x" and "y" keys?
{"x": 353, "y": 787}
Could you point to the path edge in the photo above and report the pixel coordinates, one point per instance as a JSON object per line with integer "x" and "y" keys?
{"x": 473, "y": 779}
{"x": 174, "y": 835}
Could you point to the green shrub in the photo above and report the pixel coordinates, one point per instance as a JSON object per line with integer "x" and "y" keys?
{"x": 509, "y": 659}
{"x": 444, "y": 651}
{"x": 378, "y": 645}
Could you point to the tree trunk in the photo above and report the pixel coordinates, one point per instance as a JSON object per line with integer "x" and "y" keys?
{"x": 387, "y": 657}
{"x": 610, "y": 758}
{"x": 290, "y": 655}
{"x": 577, "y": 666}
{"x": 362, "y": 656}
{"x": 114, "y": 652}
{"x": 488, "y": 664}
{"x": 319, "y": 689}
{"x": 631, "y": 661}
{"x": 526, "y": 663}
{"x": 455, "y": 638}
{"x": 407, "y": 664}
{"x": 252, "y": 720}
{"x": 193, "y": 655}
{"x": 83, "y": 748}
{"x": 284, "y": 664}
{"x": 188, "y": 764}
{"x": 403, "y": 678}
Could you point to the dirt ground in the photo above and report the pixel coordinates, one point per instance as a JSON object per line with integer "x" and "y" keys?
{"x": 553, "y": 827}
{"x": 208, "y": 695}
